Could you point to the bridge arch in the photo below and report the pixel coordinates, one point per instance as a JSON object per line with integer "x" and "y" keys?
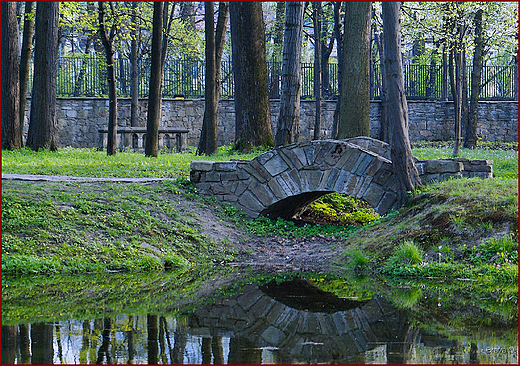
{"x": 281, "y": 182}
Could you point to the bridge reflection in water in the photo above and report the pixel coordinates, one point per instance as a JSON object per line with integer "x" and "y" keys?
{"x": 308, "y": 324}
{"x": 291, "y": 322}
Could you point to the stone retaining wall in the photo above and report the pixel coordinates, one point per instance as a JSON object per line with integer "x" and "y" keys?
{"x": 78, "y": 119}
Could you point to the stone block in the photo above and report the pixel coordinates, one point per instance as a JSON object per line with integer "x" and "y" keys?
{"x": 212, "y": 176}
{"x": 383, "y": 175}
{"x": 335, "y": 153}
{"x": 261, "y": 308}
{"x": 260, "y": 170}
{"x": 241, "y": 187}
{"x": 350, "y": 185}
{"x": 375, "y": 165}
{"x": 275, "y": 165}
{"x": 295, "y": 176}
{"x": 290, "y": 158}
{"x": 227, "y": 176}
{"x": 362, "y": 163}
{"x": 242, "y": 174}
{"x": 264, "y": 157}
{"x": 300, "y": 154}
{"x": 387, "y": 203}
{"x": 443, "y": 166}
{"x": 249, "y": 200}
{"x": 342, "y": 179}
{"x": 362, "y": 186}
{"x": 219, "y": 188}
{"x": 273, "y": 336}
{"x": 373, "y": 194}
{"x": 333, "y": 177}
{"x": 277, "y": 189}
{"x": 225, "y": 166}
{"x": 310, "y": 152}
{"x": 345, "y": 157}
{"x": 204, "y": 166}
{"x": 352, "y": 160}
{"x": 323, "y": 180}
{"x": 262, "y": 192}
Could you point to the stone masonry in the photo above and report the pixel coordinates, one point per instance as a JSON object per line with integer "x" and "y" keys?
{"x": 281, "y": 182}
{"x": 266, "y": 322}
{"x": 78, "y": 119}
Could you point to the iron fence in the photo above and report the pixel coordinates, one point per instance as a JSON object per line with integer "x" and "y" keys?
{"x": 85, "y": 76}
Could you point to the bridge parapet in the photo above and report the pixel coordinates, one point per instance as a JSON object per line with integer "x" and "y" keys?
{"x": 281, "y": 182}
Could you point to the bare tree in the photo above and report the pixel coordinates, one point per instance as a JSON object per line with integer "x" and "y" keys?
{"x": 400, "y": 149}
{"x": 42, "y": 122}
{"x": 11, "y": 124}
{"x": 289, "y": 116}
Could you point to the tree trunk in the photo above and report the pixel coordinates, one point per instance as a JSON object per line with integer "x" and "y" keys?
{"x": 355, "y": 96}
{"x": 155, "y": 94}
{"x": 41, "y": 333}
{"x": 317, "y": 17}
{"x": 134, "y": 75}
{"x": 339, "y": 41}
{"x": 456, "y": 90}
{"x": 42, "y": 122}
{"x": 384, "y": 133}
{"x": 274, "y": 90}
{"x": 252, "y": 109}
{"x": 107, "y": 41}
{"x": 11, "y": 123}
{"x": 401, "y": 153}
{"x": 215, "y": 39}
{"x": 470, "y": 140}
{"x": 209, "y": 138}
{"x": 289, "y": 117}
{"x": 25, "y": 59}
{"x": 326, "y": 50}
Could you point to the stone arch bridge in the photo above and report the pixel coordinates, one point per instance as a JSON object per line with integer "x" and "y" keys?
{"x": 281, "y": 182}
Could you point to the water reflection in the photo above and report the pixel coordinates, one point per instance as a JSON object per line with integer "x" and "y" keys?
{"x": 291, "y": 322}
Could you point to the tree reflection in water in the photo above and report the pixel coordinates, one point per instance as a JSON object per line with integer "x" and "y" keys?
{"x": 275, "y": 323}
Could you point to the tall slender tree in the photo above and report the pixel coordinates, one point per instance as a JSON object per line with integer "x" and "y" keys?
{"x": 276, "y": 56}
{"x": 252, "y": 108}
{"x": 134, "y": 73}
{"x": 25, "y": 58}
{"x": 289, "y": 116}
{"x": 155, "y": 93}
{"x": 11, "y": 124}
{"x": 107, "y": 38}
{"x": 470, "y": 140}
{"x": 400, "y": 150}
{"x": 355, "y": 94}
{"x": 42, "y": 122}
{"x": 317, "y": 14}
{"x": 215, "y": 39}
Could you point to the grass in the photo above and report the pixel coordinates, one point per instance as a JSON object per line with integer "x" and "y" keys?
{"x": 72, "y": 228}
{"x": 93, "y": 163}
{"x": 63, "y": 228}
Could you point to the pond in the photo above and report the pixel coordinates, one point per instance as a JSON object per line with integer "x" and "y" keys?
{"x": 253, "y": 317}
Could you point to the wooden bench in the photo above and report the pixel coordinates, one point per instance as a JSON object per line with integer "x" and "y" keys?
{"x": 134, "y": 138}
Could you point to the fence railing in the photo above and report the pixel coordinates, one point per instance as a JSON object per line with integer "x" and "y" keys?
{"x": 86, "y": 77}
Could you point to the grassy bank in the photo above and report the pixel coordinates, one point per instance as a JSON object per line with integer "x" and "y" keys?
{"x": 456, "y": 229}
